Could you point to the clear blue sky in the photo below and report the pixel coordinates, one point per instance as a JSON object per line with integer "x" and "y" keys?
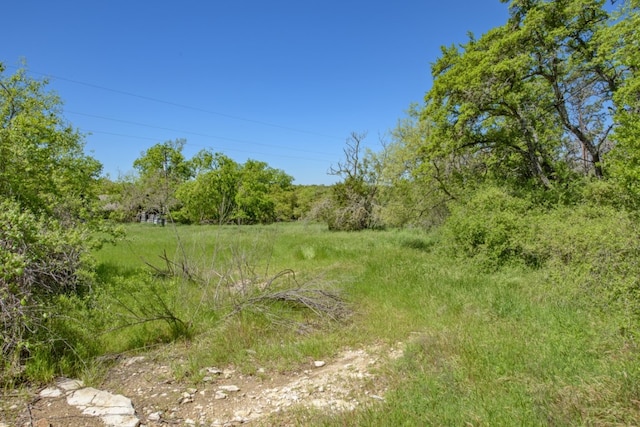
{"x": 279, "y": 81}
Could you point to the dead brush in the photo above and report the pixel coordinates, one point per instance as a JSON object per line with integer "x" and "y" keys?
{"x": 285, "y": 288}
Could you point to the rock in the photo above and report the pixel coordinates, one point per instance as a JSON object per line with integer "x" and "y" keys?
{"x": 114, "y": 410}
{"x": 50, "y": 392}
{"x": 220, "y": 395}
{"x": 319, "y": 363}
{"x": 155, "y": 416}
{"x": 70, "y": 385}
{"x": 186, "y": 399}
{"x": 229, "y": 388}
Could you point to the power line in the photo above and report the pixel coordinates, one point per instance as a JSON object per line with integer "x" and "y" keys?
{"x": 175, "y": 104}
{"x": 208, "y": 146}
{"x": 191, "y": 133}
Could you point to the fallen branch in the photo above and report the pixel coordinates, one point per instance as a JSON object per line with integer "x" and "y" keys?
{"x": 321, "y": 302}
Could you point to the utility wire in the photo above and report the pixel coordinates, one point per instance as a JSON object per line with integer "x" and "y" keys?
{"x": 315, "y": 159}
{"x": 175, "y": 104}
{"x": 191, "y": 133}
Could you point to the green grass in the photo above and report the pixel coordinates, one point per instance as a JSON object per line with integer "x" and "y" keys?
{"x": 511, "y": 347}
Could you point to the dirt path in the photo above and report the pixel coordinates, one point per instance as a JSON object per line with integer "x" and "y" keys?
{"x": 224, "y": 397}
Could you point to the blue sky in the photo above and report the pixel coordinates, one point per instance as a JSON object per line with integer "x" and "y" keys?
{"x": 279, "y": 81}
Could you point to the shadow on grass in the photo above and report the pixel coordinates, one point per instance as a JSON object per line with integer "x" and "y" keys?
{"x": 108, "y": 271}
{"x": 417, "y": 243}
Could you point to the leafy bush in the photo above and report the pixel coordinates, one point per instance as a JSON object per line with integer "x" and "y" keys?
{"x": 39, "y": 259}
{"x": 490, "y": 226}
{"x": 595, "y": 248}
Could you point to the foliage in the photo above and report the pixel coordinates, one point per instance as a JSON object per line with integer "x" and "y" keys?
{"x": 39, "y": 260}
{"x": 42, "y": 165}
{"x": 260, "y": 188}
{"x": 224, "y": 191}
{"x": 211, "y": 196}
{"x": 48, "y": 225}
{"x": 162, "y": 170}
{"x": 304, "y": 198}
{"x": 416, "y": 188}
{"x": 530, "y": 104}
{"x": 490, "y": 227}
{"x": 595, "y": 242}
{"x": 352, "y": 204}
{"x": 623, "y": 39}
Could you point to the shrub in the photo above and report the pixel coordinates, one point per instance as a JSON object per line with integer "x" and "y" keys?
{"x": 491, "y": 227}
{"x": 39, "y": 260}
{"x": 595, "y": 248}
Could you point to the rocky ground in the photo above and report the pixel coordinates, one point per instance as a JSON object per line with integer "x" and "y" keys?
{"x": 143, "y": 391}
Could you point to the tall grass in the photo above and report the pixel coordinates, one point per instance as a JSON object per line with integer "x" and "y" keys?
{"x": 507, "y": 346}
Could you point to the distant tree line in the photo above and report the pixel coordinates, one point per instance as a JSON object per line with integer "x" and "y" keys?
{"x": 210, "y": 188}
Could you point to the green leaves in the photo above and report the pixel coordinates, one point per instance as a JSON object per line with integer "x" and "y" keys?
{"x": 42, "y": 164}
{"x": 225, "y": 191}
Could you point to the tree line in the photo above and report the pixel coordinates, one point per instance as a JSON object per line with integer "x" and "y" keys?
{"x": 210, "y": 188}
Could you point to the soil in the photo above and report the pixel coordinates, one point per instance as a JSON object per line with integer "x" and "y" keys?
{"x": 224, "y": 396}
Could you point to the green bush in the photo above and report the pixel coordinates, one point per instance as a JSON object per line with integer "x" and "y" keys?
{"x": 491, "y": 227}
{"x": 595, "y": 248}
{"x": 39, "y": 260}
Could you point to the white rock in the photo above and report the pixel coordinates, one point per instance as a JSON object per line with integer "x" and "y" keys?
{"x": 229, "y": 388}
{"x": 319, "y": 363}
{"x": 114, "y": 410}
{"x": 70, "y": 385}
{"x": 154, "y": 416}
{"x": 120, "y": 421}
{"x": 50, "y": 392}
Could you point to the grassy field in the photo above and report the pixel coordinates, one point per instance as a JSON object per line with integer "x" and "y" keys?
{"x": 510, "y": 347}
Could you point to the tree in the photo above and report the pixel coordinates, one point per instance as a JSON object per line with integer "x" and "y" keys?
{"x": 162, "y": 168}
{"x": 416, "y": 186}
{"x": 42, "y": 164}
{"x": 529, "y": 102}
{"x": 261, "y": 188}
{"x": 211, "y": 196}
{"x": 564, "y": 39}
{"x": 352, "y": 204}
{"x": 47, "y": 216}
{"x": 623, "y": 39}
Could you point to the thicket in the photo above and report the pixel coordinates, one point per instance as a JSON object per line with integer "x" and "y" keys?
{"x": 47, "y": 229}
{"x": 596, "y": 245}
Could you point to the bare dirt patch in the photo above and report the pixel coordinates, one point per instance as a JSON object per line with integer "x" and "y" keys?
{"x": 224, "y": 396}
